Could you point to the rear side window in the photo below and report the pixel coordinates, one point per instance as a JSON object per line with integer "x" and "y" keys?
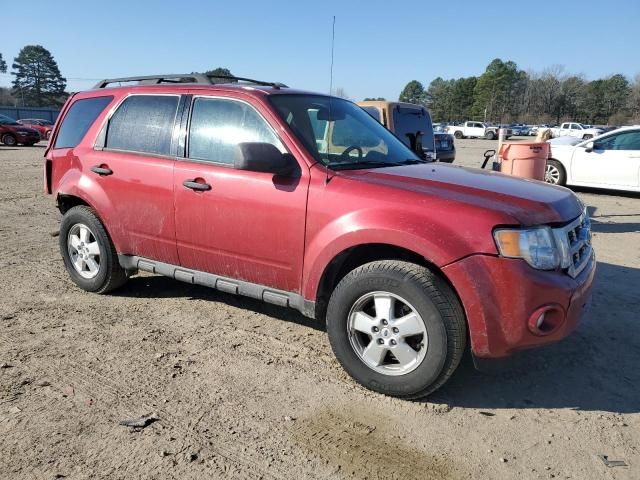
{"x": 143, "y": 123}
{"x": 78, "y": 119}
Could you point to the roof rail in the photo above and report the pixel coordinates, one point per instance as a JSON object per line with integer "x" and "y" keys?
{"x": 197, "y": 78}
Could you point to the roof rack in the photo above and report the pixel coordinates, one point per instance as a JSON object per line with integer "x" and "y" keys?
{"x": 197, "y": 78}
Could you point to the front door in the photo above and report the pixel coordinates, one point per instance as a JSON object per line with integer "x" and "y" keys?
{"x": 614, "y": 161}
{"x": 240, "y": 224}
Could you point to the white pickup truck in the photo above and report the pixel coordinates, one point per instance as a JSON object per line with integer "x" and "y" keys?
{"x": 573, "y": 129}
{"x": 475, "y": 130}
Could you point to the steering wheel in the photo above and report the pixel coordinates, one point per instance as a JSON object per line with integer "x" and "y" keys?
{"x": 345, "y": 154}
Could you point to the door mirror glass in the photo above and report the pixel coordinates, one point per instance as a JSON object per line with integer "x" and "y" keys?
{"x": 263, "y": 157}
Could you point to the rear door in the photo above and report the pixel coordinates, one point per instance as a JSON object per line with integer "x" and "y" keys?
{"x": 133, "y": 164}
{"x": 413, "y": 124}
{"x": 245, "y": 225}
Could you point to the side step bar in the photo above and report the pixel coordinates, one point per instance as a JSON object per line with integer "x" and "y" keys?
{"x": 224, "y": 284}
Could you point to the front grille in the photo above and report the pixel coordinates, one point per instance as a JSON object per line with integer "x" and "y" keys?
{"x": 575, "y": 241}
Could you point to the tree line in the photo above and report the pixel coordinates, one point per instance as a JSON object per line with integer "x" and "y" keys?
{"x": 37, "y": 79}
{"x": 38, "y": 82}
{"x": 504, "y": 93}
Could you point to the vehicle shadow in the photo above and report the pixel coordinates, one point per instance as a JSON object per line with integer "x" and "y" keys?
{"x": 164, "y": 287}
{"x": 603, "y": 191}
{"x": 596, "y": 368}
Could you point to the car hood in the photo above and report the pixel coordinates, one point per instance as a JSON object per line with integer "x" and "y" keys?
{"x": 527, "y": 202}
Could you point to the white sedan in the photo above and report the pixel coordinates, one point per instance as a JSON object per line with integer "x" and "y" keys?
{"x": 609, "y": 161}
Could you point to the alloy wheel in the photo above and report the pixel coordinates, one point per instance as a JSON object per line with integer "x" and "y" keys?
{"x": 84, "y": 251}
{"x": 387, "y": 333}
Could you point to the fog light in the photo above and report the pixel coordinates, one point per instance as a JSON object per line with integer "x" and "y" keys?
{"x": 546, "y": 320}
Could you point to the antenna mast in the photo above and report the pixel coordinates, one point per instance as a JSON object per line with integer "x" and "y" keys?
{"x": 333, "y": 41}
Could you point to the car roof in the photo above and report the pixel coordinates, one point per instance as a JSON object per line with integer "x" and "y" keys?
{"x": 181, "y": 87}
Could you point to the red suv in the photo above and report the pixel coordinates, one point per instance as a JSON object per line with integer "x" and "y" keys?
{"x": 304, "y": 200}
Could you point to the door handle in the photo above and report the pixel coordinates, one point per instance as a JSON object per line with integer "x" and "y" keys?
{"x": 101, "y": 170}
{"x": 193, "y": 185}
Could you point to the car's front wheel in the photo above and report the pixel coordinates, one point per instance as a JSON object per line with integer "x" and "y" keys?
{"x": 555, "y": 173}
{"x": 88, "y": 253}
{"x": 491, "y": 135}
{"x": 396, "y": 328}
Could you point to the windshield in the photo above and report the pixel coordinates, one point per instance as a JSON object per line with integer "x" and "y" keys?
{"x": 340, "y": 134}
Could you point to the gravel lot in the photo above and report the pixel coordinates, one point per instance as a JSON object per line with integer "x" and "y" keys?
{"x": 247, "y": 390}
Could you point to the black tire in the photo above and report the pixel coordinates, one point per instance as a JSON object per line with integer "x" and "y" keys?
{"x": 110, "y": 274}
{"x": 47, "y": 135}
{"x": 9, "y": 140}
{"x": 457, "y": 134}
{"x": 491, "y": 135}
{"x": 587, "y": 136}
{"x": 560, "y": 178}
{"x": 435, "y": 302}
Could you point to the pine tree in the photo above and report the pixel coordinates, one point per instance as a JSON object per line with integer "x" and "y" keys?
{"x": 37, "y": 78}
{"x": 413, "y": 92}
{"x": 3, "y": 65}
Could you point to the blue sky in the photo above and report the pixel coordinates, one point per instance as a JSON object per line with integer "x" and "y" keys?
{"x": 289, "y": 41}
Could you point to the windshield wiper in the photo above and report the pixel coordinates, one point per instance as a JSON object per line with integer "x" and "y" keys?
{"x": 360, "y": 164}
{"x": 411, "y": 161}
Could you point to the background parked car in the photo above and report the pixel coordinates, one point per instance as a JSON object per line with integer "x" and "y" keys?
{"x": 609, "y": 161}
{"x": 12, "y": 133}
{"x": 445, "y": 147}
{"x": 44, "y": 127}
{"x": 576, "y": 130}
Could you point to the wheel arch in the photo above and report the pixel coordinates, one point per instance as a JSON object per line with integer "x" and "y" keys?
{"x": 357, "y": 255}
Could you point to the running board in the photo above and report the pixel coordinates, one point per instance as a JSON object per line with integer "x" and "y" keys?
{"x": 224, "y": 284}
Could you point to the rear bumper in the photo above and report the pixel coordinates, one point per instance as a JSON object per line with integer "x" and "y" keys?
{"x": 502, "y": 299}
{"x": 446, "y": 155}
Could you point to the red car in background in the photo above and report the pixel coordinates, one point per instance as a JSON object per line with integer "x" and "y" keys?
{"x": 12, "y": 133}
{"x": 43, "y": 127}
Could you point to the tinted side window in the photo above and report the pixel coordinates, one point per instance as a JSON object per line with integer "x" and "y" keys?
{"x": 143, "y": 123}
{"x": 621, "y": 141}
{"x": 78, "y": 119}
{"x": 219, "y": 125}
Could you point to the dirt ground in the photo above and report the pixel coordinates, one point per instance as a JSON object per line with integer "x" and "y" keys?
{"x": 247, "y": 390}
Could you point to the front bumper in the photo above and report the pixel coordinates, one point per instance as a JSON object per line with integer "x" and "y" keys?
{"x": 501, "y": 296}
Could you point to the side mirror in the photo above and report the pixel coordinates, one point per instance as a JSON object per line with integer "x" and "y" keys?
{"x": 588, "y": 147}
{"x": 263, "y": 157}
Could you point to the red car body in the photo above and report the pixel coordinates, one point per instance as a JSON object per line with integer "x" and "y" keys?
{"x": 44, "y": 127}
{"x": 13, "y": 133}
{"x": 287, "y": 233}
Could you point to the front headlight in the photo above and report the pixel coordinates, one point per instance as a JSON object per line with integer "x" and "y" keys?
{"x": 535, "y": 245}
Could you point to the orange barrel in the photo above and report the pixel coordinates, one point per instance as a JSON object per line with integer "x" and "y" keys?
{"x": 524, "y": 159}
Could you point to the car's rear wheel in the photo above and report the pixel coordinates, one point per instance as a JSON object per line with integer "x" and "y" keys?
{"x": 396, "y": 328}
{"x": 587, "y": 136}
{"x": 88, "y": 253}
{"x": 457, "y": 134}
{"x": 9, "y": 140}
{"x": 47, "y": 135}
{"x": 555, "y": 173}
